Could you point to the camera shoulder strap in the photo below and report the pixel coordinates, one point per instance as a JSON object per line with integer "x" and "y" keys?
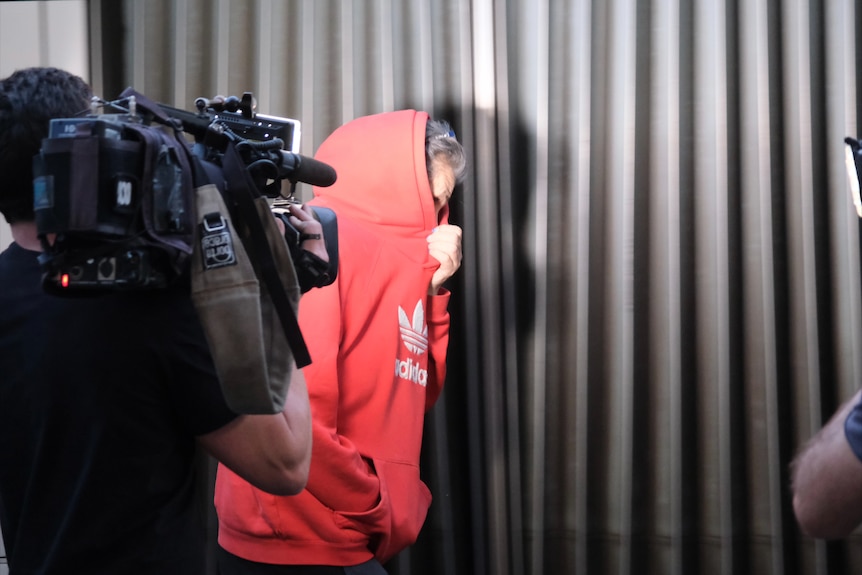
{"x": 245, "y": 290}
{"x": 255, "y": 214}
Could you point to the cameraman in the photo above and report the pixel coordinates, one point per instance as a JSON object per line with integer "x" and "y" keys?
{"x": 378, "y": 336}
{"x": 104, "y": 399}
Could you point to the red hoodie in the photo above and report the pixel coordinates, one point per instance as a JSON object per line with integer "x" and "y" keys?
{"x": 378, "y": 346}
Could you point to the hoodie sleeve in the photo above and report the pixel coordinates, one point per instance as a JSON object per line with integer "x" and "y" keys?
{"x": 339, "y": 477}
{"x": 438, "y": 336}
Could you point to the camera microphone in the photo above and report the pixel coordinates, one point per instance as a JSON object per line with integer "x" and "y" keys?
{"x": 308, "y": 170}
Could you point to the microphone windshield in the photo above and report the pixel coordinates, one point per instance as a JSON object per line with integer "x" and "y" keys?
{"x": 308, "y": 170}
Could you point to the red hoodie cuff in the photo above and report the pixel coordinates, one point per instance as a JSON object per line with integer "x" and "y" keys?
{"x": 438, "y": 306}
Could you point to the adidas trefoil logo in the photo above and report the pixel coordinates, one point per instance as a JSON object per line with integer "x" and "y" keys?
{"x": 415, "y": 335}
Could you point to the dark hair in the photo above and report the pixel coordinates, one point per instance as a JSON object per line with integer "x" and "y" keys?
{"x": 29, "y": 98}
{"x": 440, "y": 141}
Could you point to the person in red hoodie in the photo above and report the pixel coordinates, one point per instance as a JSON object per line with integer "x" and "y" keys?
{"x": 378, "y": 339}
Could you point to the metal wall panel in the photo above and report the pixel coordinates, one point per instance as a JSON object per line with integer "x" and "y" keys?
{"x": 660, "y": 293}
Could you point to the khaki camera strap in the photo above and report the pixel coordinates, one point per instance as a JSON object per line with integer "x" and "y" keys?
{"x": 269, "y": 251}
{"x": 246, "y": 293}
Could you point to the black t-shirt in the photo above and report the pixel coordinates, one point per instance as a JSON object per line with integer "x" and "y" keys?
{"x": 100, "y": 401}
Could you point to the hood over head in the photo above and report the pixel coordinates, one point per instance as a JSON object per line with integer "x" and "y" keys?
{"x": 381, "y": 174}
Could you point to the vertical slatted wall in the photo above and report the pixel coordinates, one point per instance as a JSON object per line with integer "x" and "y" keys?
{"x": 660, "y": 294}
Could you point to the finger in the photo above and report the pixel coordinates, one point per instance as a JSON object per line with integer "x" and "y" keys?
{"x": 452, "y": 234}
{"x": 300, "y": 211}
{"x": 447, "y": 229}
{"x": 444, "y": 235}
{"x": 444, "y": 256}
{"x": 444, "y": 245}
{"x": 312, "y": 229}
{"x": 443, "y": 259}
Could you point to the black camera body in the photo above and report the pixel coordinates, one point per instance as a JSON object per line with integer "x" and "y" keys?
{"x": 114, "y": 193}
{"x": 132, "y": 268}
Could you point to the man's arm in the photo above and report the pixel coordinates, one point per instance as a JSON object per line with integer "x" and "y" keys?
{"x": 827, "y": 481}
{"x": 272, "y": 452}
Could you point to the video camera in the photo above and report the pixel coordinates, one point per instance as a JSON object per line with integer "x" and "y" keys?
{"x": 116, "y": 190}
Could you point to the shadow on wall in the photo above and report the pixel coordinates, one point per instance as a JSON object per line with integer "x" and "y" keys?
{"x": 472, "y": 457}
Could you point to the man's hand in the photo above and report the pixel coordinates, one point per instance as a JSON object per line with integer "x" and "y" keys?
{"x": 310, "y": 230}
{"x": 444, "y": 245}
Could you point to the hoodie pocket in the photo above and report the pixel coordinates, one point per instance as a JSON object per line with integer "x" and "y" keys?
{"x": 395, "y": 522}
